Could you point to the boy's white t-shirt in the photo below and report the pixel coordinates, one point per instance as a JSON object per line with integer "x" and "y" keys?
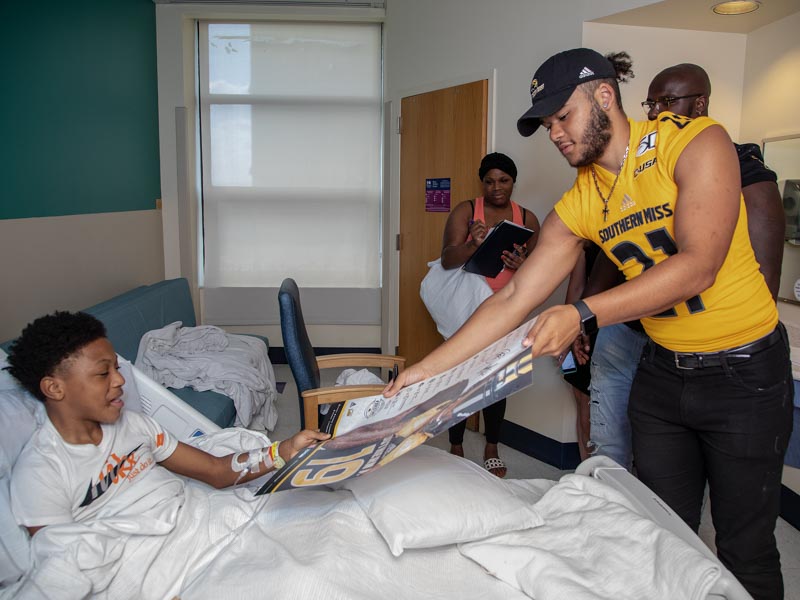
{"x": 56, "y": 482}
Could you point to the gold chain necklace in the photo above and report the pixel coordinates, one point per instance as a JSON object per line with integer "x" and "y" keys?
{"x": 613, "y": 185}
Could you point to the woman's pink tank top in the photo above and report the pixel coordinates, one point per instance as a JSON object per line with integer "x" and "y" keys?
{"x": 504, "y": 276}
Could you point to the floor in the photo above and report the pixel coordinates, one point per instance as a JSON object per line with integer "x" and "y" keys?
{"x": 522, "y": 466}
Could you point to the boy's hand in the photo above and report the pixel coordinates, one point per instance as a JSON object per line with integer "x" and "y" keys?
{"x": 300, "y": 440}
{"x": 412, "y": 374}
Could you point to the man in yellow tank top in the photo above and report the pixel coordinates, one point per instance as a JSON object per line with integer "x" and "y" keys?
{"x": 712, "y": 398}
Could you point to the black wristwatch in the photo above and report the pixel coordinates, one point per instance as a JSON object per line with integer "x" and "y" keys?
{"x": 588, "y": 318}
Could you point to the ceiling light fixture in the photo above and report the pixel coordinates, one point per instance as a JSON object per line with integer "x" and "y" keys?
{"x": 736, "y": 7}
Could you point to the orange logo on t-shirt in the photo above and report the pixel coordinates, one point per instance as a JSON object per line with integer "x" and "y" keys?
{"x": 116, "y": 469}
{"x": 159, "y": 440}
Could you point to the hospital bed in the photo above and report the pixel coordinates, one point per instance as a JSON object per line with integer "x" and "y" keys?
{"x": 428, "y": 525}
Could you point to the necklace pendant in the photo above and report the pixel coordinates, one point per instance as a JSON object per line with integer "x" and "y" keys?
{"x": 605, "y": 199}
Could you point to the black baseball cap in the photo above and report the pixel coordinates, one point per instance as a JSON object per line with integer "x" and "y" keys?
{"x": 554, "y": 82}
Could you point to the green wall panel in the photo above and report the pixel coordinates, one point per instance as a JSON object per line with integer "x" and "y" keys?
{"x": 79, "y": 118}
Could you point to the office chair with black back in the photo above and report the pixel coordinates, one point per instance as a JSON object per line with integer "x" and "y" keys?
{"x": 306, "y": 365}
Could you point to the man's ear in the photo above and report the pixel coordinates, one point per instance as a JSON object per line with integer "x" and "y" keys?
{"x": 604, "y": 95}
{"x": 700, "y": 107}
{"x": 51, "y": 388}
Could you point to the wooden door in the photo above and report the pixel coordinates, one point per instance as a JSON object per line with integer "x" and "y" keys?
{"x": 443, "y": 134}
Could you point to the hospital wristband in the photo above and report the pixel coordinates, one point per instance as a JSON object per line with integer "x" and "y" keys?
{"x": 275, "y": 457}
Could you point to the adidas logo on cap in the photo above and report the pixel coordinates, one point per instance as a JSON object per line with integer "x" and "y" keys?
{"x": 585, "y": 72}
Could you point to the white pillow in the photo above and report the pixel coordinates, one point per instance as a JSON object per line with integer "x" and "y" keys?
{"x": 20, "y": 415}
{"x": 18, "y": 420}
{"x": 15, "y": 554}
{"x": 429, "y": 498}
{"x": 7, "y": 381}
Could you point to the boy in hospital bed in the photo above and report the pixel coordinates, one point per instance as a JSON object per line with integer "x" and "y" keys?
{"x": 89, "y": 451}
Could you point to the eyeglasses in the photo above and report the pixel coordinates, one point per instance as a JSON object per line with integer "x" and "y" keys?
{"x": 665, "y": 101}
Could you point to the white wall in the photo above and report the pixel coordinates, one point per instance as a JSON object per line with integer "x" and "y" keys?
{"x": 769, "y": 106}
{"x": 431, "y": 45}
{"x": 653, "y": 49}
{"x": 322, "y": 336}
{"x": 772, "y": 76}
{"x": 73, "y": 262}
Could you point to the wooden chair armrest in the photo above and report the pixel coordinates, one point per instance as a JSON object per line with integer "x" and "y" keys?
{"x": 333, "y": 361}
{"x": 328, "y": 395}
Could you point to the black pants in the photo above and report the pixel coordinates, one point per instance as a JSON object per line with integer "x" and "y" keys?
{"x": 493, "y": 416}
{"x": 728, "y": 425}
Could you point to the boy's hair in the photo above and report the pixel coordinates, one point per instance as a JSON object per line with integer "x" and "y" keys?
{"x": 47, "y": 342}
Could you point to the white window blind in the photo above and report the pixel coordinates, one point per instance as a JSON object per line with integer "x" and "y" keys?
{"x": 291, "y": 154}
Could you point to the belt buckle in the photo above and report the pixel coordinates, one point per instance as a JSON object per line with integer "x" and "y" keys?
{"x": 678, "y": 357}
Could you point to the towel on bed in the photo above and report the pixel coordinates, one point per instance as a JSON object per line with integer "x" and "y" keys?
{"x": 207, "y": 358}
{"x": 594, "y": 545}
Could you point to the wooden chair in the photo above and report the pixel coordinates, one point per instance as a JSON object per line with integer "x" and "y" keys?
{"x": 305, "y": 365}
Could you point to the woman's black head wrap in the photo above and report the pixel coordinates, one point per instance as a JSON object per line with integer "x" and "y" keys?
{"x": 496, "y": 160}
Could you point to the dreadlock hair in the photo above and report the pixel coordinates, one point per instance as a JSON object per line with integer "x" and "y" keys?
{"x": 623, "y": 67}
{"x": 47, "y": 342}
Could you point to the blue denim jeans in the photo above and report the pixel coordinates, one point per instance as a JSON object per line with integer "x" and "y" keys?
{"x": 614, "y": 361}
{"x": 792, "y": 457}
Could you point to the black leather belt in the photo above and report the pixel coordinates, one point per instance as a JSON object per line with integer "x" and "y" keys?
{"x": 701, "y": 360}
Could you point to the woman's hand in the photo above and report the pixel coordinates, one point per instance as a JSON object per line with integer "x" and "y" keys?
{"x": 412, "y": 374}
{"x": 513, "y": 260}
{"x": 477, "y": 229}
{"x": 300, "y": 440}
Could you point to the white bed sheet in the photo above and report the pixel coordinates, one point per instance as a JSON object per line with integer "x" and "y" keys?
{"x": 309, "y": 544}
{"x": 197, "y": 543}
{"x": 594, "y": 545}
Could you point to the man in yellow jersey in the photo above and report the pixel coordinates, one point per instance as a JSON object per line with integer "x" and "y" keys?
{"x": 712, "y": 397}
{"x": 683, "y": 89}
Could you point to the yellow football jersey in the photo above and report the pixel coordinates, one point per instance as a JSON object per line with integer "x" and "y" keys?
{"x": 639, "y": 233}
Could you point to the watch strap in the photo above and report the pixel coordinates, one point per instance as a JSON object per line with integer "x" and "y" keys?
{"x": 588, "y": 318}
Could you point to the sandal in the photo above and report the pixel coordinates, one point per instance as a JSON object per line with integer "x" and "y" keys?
{"x": 495, "y": 464}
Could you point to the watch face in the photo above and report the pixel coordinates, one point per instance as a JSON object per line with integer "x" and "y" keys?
{"x": 589, "y": 325}
{"x": 588, "y": 319}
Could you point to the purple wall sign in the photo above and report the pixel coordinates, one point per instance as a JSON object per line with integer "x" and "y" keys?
{"x": 437, "y": 195}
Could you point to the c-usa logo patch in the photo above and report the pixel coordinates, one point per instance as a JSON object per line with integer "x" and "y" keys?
{"x": 646, "y": 144}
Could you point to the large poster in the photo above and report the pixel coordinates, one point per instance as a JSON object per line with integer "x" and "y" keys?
{"x": 372, "y": 431}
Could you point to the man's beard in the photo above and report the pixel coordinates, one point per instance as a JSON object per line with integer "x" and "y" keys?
{"x": 595, "y": 138}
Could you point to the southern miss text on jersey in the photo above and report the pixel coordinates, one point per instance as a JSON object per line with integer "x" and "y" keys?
{"x": 639, "y": 233}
